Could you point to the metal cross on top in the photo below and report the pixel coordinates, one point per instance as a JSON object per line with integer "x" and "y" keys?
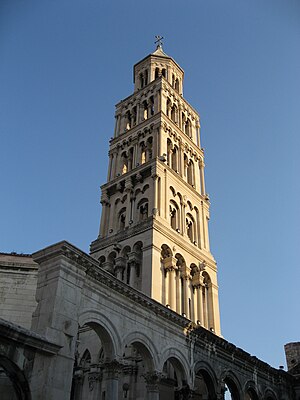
{"x": 158, "y": 40}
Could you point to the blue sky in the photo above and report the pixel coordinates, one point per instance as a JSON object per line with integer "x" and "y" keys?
{"x": 65, "y": 64}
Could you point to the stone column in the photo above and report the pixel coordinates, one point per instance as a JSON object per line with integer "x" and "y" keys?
{"x": 111, "y": 372}
{"x": 108, "y": 266}
{"x": 128, "y": 189}
{"x": 105, "y": 203}
{"x": 94, "y": 379}
{"x": 202, "y": 180}
{"x": 185, "y": 274}
{"x": 152, "y": 384}
{"x": 170, "y": 266}
{"x": 197, "y": 284}
{"x": 153, "y": 207}
{"x": 120, "y": 267}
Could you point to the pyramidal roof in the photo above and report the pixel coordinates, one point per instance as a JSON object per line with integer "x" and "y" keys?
{"x": 159, "y": 52}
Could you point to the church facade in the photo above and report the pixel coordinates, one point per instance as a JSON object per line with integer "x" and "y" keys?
{"x": 137, "y": 318}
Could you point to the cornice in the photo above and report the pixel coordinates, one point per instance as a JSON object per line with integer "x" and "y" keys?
{"x": 101, "y": 243}
{"x": 221, "y": 347}
{"x": 26, "y": 338}
{"x": 141, "y": 128}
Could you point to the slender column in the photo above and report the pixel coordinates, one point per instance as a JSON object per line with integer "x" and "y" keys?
{"x": 128, "y": 189}
{"x": 114, "y": 166}
{"x": 178, "y": 293}
{"x": 94, "y": 380}
{"x": 120, "y": 267}
{"x": 137, "y": 113}
{"x": 111, "y": 379}
{"x": 185, "y": 274}
{"x": 172, "y": 276}
{"x": 170, "y": 266}
{"x": 152, "y": 381}
{"x": 202, "y": 180}
{"x": 199, "y": 304}
{"x": 153, "y": 206}
{"x": 105, "y": 202}
{"x": 110, "y": 155}
{"x": 132, "y": 277}
{"x": 108, "y": 266}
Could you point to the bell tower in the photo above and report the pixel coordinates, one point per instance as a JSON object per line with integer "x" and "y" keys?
{"x": 155, "y": 210}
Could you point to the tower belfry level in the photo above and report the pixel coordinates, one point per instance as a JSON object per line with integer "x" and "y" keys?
{"x": 155, "y": 210}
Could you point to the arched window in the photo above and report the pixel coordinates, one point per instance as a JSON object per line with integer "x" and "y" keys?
{"x": 149, "y": 149}
{"x": 174, "y": 114}
{"x": 141, "y": 80}
{"x": 122, "y": 219}
{"x": 174, "y": 216}
{"x": 175, "y": 158}
{"x": 188, "y": 128}
{"x": 134, "y": 116}
{"x": 142, "y": 210}
{"x": 145, "y": 110}
{"x": 130, "y": 159}
{"x": 151, "y": 106}
{"x": 190, "y": 172}
{"x": 156, "y": 73}
{"x": 124, "y": 163}
{"x": 190, "y": 227}
{"x": 177, "y": 85}
{"x": 173, "y": 80}
{"x": 143, "y": 153}
{"x": 164, "y": 72}
{"x": 128, "y": 120}
{"x": 168, "y": 108}
{"x": 146, "y": 77}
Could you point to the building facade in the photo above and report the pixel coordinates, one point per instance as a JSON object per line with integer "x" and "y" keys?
{"x": 138, "y": 318}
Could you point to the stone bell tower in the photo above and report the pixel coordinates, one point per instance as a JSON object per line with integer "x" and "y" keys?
{"x": 155, "y": 210}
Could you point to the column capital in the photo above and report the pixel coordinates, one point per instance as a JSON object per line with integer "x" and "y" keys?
{"x": 152, "y": 380}
{"x": 112, "y": 368}
{"x": 93, "y": 377}
{"x": 120, "y": 263}
{"x": 170, "y": 263}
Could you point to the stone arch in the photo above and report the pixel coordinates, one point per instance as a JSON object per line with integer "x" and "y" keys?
{"x": 208, "y": 375}
{"x": 166, "y": 251}
{"x": 232, "y": 383}
{"x": 19, "y": 385}
{"x": 105, "y": 330}
{"x": 269, "y": 394}
{"x": 142, "y": 209}
{"x": 178, "y": 357}
{"x": 145, "y": 347}
{"x": 250, "y": 391}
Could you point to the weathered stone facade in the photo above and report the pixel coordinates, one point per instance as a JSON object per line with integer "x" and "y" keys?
{"x": 138, "y": 318}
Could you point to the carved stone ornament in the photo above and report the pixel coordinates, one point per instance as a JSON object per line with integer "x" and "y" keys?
{"x": 92, "y": 378}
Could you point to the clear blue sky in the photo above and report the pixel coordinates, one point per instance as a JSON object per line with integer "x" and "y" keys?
{"x": 65, "y": 64}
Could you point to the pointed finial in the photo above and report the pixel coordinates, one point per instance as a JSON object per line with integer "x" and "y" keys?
{"x": 158, "y": 41}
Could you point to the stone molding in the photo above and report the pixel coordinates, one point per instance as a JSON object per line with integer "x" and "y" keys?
{"x": 27, "y": 338}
